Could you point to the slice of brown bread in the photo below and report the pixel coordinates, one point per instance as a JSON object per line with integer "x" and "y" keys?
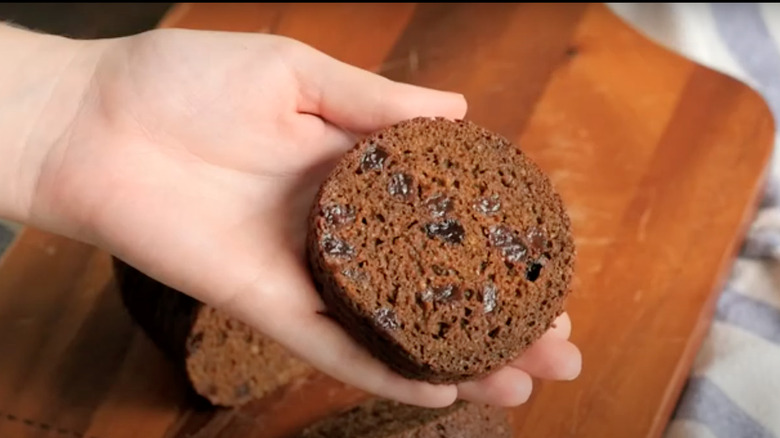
{"x": 227, "y": 362}
{"x": 442, "y": 248}
{"x": 379, "y": 418}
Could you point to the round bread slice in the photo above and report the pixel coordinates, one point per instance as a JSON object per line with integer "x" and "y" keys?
{"x": 226, "y": 362}
{"x": 379, "y": 418}
{"x": 442, "y": 248}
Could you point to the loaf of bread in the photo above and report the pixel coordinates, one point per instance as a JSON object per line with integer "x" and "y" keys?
{"x": 227, "y": 362}
{"x": 441, "y": 247}
{"x": 379, "y": 418}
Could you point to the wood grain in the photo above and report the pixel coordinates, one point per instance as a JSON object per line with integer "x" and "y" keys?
{"x": 659, "y": 160}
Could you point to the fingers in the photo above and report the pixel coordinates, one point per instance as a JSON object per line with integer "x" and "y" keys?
{"x": 506, "y": 387}
{"x": 551, "y": 357}
{"x": 361, "y": 101}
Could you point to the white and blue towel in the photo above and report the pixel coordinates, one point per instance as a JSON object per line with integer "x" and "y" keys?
{"x": 6, "y": 235}
{"x": 734, "y": 387}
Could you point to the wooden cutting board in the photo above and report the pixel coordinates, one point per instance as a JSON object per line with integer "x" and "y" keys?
{"x": 659, "y": 160}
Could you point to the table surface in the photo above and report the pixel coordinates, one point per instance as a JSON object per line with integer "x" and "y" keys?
{"x": 659, "y": 160}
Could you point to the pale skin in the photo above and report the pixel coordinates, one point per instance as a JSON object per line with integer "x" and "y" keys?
{"x": 195, "y": 157}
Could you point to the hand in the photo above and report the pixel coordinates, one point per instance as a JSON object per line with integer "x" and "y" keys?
{"x": 195, "y": 156}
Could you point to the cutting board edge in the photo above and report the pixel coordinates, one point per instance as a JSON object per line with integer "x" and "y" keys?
{"x": 707, "y": 312}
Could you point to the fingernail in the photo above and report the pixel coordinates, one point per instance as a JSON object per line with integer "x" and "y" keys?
{"x": 574, "y": 367}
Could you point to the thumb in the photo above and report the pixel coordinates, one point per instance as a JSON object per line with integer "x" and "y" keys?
{"x": 361, "y": 101}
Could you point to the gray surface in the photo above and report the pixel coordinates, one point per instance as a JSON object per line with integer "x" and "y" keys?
{"x": 6, "y": 236}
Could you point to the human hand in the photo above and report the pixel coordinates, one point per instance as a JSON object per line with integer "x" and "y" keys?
{"x": 195, "y": 157}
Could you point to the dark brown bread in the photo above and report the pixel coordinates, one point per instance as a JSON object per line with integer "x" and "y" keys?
{"x": 226, "y": 361}
{"x": 386, "y": 419}
{"x": 442, "y": 248}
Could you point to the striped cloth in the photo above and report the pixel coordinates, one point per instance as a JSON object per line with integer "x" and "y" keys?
{"x": 734, "y": 387}
{"x": 6, "y": 235}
